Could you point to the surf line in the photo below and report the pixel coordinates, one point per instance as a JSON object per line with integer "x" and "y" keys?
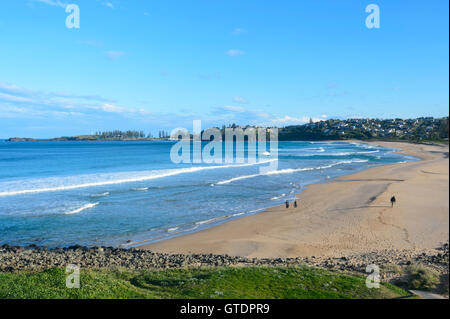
{"x": 129, "y": 180}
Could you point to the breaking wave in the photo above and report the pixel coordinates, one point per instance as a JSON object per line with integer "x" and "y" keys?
{"x": 287, "y": 171}
{"x": 119, "y": 178}
{"x": 79, "y": 210}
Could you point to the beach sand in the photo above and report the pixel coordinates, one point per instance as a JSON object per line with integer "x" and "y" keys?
{"x": 349, "y": 215}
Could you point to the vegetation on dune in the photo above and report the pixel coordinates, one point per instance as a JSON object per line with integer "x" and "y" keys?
{"x": 217, "y": 283}
{"x": 422, "y": 278}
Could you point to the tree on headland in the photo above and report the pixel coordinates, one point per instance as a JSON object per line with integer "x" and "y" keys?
{"x": 116, "y": 134}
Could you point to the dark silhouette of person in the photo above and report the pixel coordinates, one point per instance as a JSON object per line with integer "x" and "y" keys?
{"x": 287, "y": 204}
{"x": 295, "y": 204}
{"x": 393, "y": 200}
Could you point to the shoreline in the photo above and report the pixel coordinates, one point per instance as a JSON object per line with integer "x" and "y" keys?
{"x": 231, "y": 217}
{"x": 363, "y": 227}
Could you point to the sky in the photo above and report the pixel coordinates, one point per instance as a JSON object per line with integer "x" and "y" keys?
{"x": 160, "y": 64}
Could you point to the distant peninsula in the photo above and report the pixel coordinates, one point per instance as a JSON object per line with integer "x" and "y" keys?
{"x": 100, "y": 136}
{"x": 423, "y": 129}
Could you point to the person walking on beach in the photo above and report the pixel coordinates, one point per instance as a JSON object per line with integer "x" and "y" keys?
{"x": 295, "y": 204}
{"x": 287, "y": 204}
{"x": 393, "y": 200}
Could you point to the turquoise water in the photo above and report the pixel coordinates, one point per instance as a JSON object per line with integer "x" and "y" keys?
{"x": 117, "y": 193}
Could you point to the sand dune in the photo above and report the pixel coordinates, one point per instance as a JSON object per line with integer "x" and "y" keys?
{"x": 352, "y": 214}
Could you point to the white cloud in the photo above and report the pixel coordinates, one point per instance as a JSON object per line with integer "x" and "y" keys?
{"x": 21, "y": 108}
{"x": 240, "y": 115}
{"x": 91, "y": 43}
{"x": 54, "y": 3}
{"x": 234, "y": 52}
{"x": 24, "y": 102}
{"x": 209, "y": 76}
{"x": 115, "y": 55}
{"x": 111, "y": 108}
{"x": 240, "y": 99}
{"x": 109, "y": 5}
{"x": 13, "y": 98}
{"x": 289, "y": 120}
{"x": 233, "y": 108}
{"x": 238, "y": 31}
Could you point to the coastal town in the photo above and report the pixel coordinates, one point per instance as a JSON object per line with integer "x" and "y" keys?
{"x": 419, "y": 129}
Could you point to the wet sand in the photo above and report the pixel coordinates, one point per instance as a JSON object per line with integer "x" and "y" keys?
{"x": 349, "y": 215}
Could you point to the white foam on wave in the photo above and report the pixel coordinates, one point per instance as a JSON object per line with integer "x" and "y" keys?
{"x": 208, "y": 221}
{"x": 100, "y": 195}
{"x": 237, "y": 214}
{"x": 363, "y": 145}
{"x": 336, "y": 154}
{"x": 140, "y": 189}
{"x": 149, "y": 175}
{"x": 288, "y": 171}
{"x": 221, "y": 218}
{"x": 79, "y": 210}
{"x": 278, "y": 197}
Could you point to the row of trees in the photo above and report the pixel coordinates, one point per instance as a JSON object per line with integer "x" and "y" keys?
{"x": 163, "y": 134}
{"x": 120, "y": 134}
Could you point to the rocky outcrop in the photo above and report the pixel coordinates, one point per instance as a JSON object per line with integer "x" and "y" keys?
{"x": 35, "y": 258}
{"x": 20, "y": 139}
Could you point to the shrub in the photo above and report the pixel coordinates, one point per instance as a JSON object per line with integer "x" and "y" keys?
{"x": 420, "y": 277}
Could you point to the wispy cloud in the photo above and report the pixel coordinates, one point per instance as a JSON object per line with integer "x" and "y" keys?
{"x": 232, "y": 108}
{"x": 20, "y": 102}
{"x": 239, "y": 114}
{"x": 238, "y": 31}
{"x": 62, "y": 113}
{"x": 332, "y": 85}
{"x": 109, "y": 5}
{"x": 290, "y": 120}
{"x": 244, "y": 116}
{"x": 234, "y": 52}
{"x": 115, "y": 55}
{"x": 54, "y": 3}
{"x": 209, "y": 76}
{"x": 240, "y": 99}
{"x": 112, "y": 108}
{"x": 91, "y": 43}
{"x": 17, "y": 91}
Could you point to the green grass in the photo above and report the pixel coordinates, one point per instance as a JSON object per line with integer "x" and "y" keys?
{"x": 246, "y": 282}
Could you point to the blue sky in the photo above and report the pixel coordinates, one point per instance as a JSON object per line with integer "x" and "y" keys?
{"x": 155, "y": 65}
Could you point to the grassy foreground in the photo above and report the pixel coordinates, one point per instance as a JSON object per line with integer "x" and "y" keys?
{"x": 247, "y": 282}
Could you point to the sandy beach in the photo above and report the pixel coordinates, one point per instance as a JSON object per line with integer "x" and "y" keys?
{"x": 348, "y": 215}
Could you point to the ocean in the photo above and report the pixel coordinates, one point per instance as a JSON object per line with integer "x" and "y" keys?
{"x": 58, "y": 194}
